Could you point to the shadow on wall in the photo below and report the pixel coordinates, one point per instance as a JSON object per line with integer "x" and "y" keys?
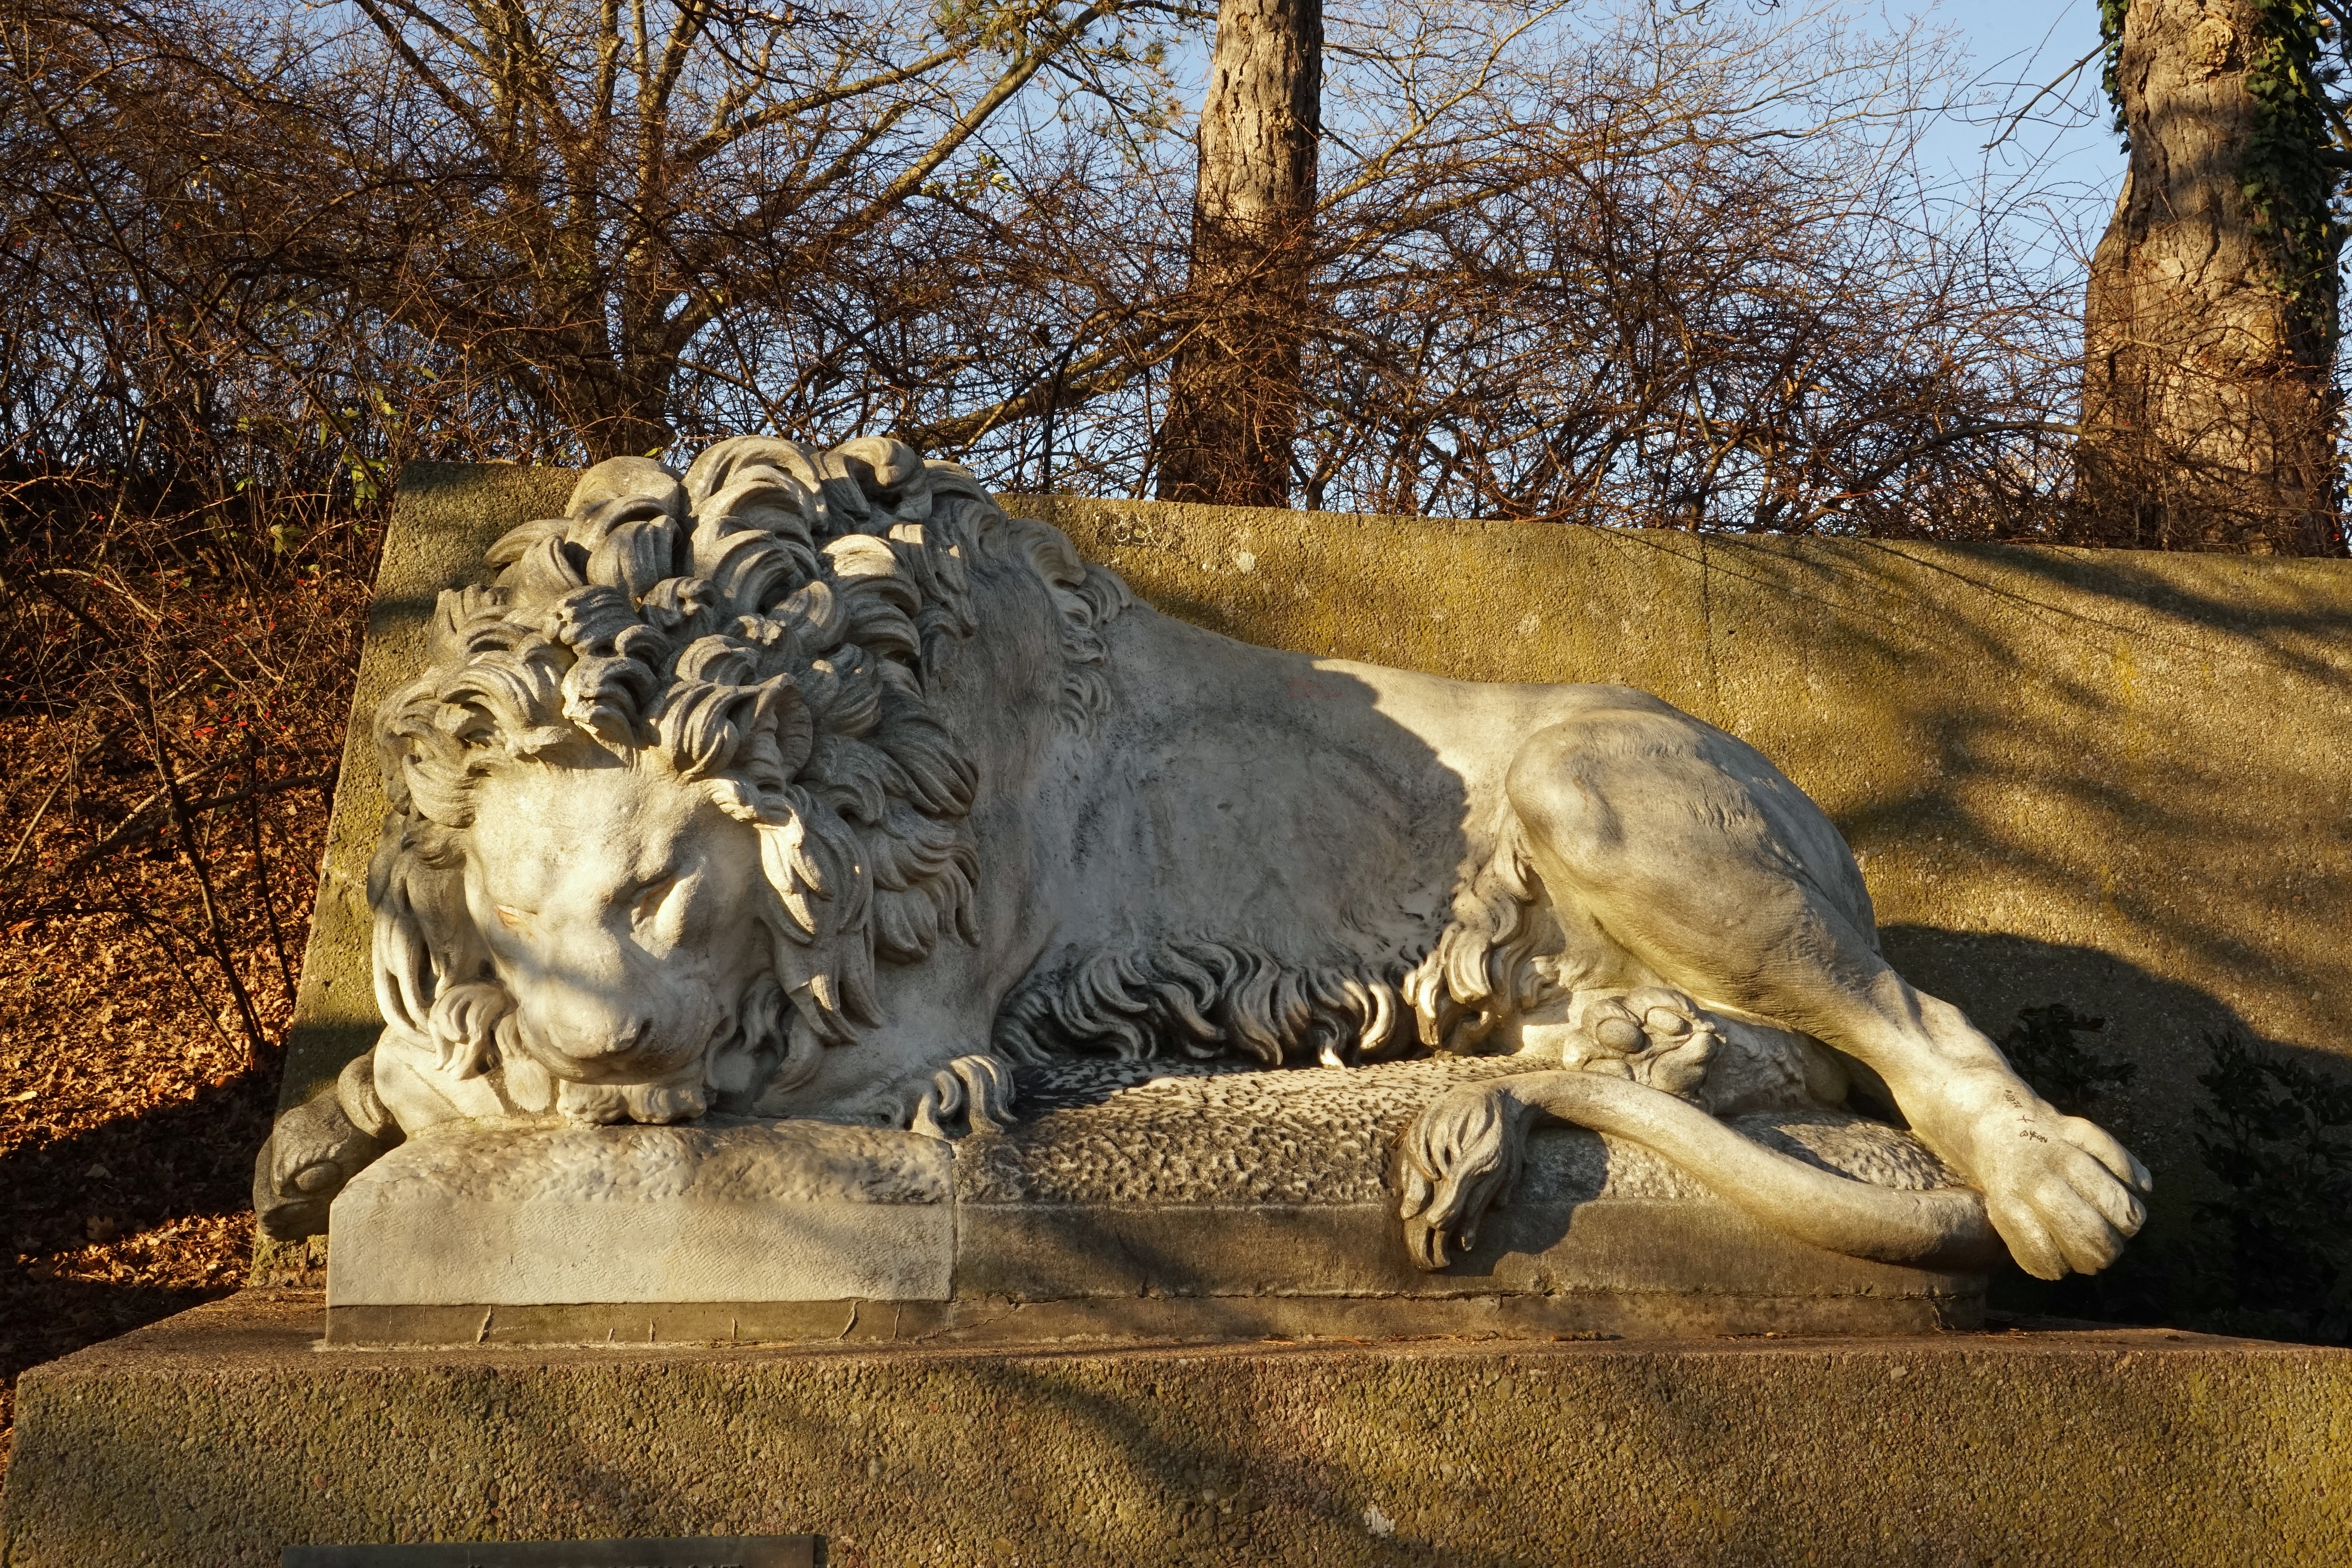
{"x": 2085, "y": 749}
{"x": 2247, "y": 1237}
{"x": 2151, "y": 1022}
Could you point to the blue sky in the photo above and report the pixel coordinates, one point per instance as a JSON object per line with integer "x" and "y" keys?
{"x": 2016, "y": 47}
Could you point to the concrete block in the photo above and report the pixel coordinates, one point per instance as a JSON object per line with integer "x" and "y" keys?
{"x": 219, "y": 1437}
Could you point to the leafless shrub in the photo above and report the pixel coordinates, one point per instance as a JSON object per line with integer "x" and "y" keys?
{"x": 1669, "y": 267}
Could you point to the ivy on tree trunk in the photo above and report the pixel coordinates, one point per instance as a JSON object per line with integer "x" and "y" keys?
{"x": 2210, "y": 412}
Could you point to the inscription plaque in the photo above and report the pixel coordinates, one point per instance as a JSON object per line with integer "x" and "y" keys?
{"x": 704, "y": 1552}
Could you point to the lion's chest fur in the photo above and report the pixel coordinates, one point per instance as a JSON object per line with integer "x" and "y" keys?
{"x": 1240, "y": 794}
{"x": 1248, "y": 845}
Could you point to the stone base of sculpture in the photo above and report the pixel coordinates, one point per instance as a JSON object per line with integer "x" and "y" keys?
{"x": 1131, "y": 1201}
{"x": 220, "y": 1438}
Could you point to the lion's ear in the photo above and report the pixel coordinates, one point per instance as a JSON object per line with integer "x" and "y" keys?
{"x": 465, "y": 621}
{"x": 794, "y": 871}
{"x": 733, "y": 798}
{"x": 619, "y": 490}
{"x": 880, "y": 466}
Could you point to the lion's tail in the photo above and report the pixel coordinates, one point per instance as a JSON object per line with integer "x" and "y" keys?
{"x": 1945, "y": 1228}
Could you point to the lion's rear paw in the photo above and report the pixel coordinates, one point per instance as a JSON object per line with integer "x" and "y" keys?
{"x": 1457, "y": 1159}
{"x": 976, "y": 1089}
{"x": 1651, "y": 1035}
{"x": 2063, "y": 1194}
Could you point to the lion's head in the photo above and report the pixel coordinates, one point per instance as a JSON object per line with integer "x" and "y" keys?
{"x": 669, "y": 785}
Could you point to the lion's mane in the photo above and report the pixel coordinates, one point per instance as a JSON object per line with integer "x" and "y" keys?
{"x": 767, "y": 628}
{"x": 1205, "y": 995}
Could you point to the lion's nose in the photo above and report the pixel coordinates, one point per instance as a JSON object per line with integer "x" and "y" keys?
{"x": 627, "y": 1034}
{"x": 588, "y": 1039}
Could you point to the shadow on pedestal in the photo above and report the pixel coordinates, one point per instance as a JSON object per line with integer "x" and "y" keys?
{"x": 216, "y": 1439}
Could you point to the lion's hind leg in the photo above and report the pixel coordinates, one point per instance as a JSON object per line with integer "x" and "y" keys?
{"x": 1714, "y": 873}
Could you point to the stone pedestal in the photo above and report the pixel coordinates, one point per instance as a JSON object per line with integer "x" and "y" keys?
{"x": 1133, "y": 1201}
{"x": 221, "y": 1436}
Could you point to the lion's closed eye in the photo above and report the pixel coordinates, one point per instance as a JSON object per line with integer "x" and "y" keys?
{"x": 648, "y": 901}
{"x": 512, "y": 918}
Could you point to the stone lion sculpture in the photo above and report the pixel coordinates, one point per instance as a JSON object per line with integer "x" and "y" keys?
{"x": 812, "y": 785}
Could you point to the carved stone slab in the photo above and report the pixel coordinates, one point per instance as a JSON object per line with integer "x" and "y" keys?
{"x": 1131, "y": 1200}
{"x": 795, "y": 1211}
{"x": 1101, "y": 1129}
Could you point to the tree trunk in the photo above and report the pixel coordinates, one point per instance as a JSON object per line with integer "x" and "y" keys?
{"x": 2210, "y": 417}
{"x": 1233, "y": 406}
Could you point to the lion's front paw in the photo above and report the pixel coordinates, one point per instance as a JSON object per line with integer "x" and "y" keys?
{"x": 2063, "y": 1194}
{"x": 312, "y": 1153}
{"x": 977, "y": 1088}
{"x": 1457, "y": 1159}
{"x": 466, "y": 1024}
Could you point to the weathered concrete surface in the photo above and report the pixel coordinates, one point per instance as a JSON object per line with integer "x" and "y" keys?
{"x": 216, "y": 1439}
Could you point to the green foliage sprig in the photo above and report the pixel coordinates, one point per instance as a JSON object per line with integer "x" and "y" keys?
{"x": 2111, "y": 34}
{"x": 2265, "y": 1251}
{"x": 2043, "y": 1048}
{"x": 2279, "y": 1137}
{"x": 2281, "y": 172}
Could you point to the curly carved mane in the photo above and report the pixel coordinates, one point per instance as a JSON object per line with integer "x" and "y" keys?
{"x": 1497, "y": 955}
{"x": 766, "y": 628}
